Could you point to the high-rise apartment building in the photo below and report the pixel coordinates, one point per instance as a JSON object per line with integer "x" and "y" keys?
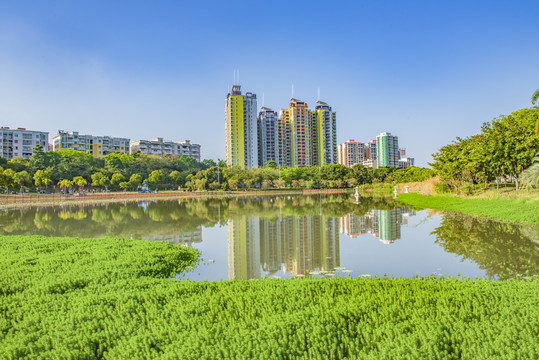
{"x": 159, "y": 147}
{"x": 299, "y": 118}
{"x": 285, "y": 140}
{"x": 268, "y": 136}
{"x": 21, "y": 142}
{"x": 297, "y": 137}
{"x": 241, "y": 129}
{"x": 97, "y": 146}
{"x": 351, "y": 153}
{"x": 387, "y": 150}
{"x": 370, "y": 155}
{"x": 324, "y": 135}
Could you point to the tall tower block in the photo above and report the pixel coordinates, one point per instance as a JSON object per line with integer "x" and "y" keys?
{"x": 324, "y": 135}
{"x": 300, "y": 133}
{"x": 241, "y": 129}
{"x": 268, "y": 136}
{"x": 387, "y": 150}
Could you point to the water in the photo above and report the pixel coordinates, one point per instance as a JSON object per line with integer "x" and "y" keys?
{"x": 296, "y": 236}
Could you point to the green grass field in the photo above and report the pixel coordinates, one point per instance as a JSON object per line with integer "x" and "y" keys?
{"x": 111, "y": 298}
{"x": 524, "y": 211}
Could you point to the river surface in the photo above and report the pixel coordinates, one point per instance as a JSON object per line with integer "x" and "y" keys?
{"x": 296, "y": 236}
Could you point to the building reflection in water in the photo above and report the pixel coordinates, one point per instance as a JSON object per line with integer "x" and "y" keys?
{"x": 383, "y": 224}
{"x": 181, "y": 237}
{"x": 296, "y": 245}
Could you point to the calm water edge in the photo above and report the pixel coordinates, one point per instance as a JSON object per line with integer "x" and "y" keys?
{"x": 296, "y": 236}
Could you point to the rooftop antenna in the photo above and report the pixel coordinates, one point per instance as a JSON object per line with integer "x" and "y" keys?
{"x": 292, "y": 91}
{"x": 234, "y": 83}
{"x": 238, "y": 76}
{"x": 318, "y": 94}
{"x": 263, "y": 100}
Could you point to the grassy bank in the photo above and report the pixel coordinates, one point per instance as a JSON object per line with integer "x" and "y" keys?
{"x": 112, "y": 298}
{"x": 512, "y": 210}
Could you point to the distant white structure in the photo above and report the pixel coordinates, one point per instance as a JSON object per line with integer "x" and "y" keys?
{"x": 406, "y": 162}
{"x": 21, "y": 142}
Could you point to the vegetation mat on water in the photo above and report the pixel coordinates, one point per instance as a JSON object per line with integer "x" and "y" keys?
{"x": 511, "y": 210}
{"x": 113, "y": 298}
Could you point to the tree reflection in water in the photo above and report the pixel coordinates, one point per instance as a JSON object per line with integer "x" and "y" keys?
{"x": 501, "y": 249}
{"x": 296, "y": 234}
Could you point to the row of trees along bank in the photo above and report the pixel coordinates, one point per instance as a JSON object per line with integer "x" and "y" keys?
{"x": 77, "y": 169}
{"x": 505, "y": 147}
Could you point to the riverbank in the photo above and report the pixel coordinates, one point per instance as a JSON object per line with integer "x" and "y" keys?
{"x": 513, "y": 210}
{"x": 57, "y": 199}
{"x": 113, "y": 298}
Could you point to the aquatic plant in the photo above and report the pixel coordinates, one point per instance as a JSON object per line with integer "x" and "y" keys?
{"x": 112, "y": 298}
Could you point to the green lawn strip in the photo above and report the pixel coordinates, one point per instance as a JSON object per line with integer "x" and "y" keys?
{"x": 516, "y": 211}
{"x": 112, "y": 298}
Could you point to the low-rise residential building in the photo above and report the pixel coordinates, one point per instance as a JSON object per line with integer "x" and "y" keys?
{"x": 21, "y": 142}
{"x": 158, "y": 146}
{"x": 97, "y": 146}
{"x": 351, "y": 153}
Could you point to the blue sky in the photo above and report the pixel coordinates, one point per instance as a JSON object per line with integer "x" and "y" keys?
{"x": 427, "y": 71}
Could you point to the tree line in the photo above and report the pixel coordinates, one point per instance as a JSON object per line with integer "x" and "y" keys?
{"x": 76, "y": 170}
{"x": 503, "y": 149}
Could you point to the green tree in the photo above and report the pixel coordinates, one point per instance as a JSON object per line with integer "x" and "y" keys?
{"x": 175, "y": 177}
{"x": 519, "y": 143}
{"x": 19, "y": 164}
{"x": 80, "y": 182}
{"x": 280, "y": 183}
{"x": 200, "y": 184}
{"x": 233, "y": 184}
{"x": 135, "y": 180}
{"x": 362, "y": 174}
{"x": 214, "y": 186}
{"x": 41, "y": 178}
{"x": 124, "y": 185}
{"x": 8, "y": 178}
{"x": 117, "y": 178}
{"x": 22, "y": 178}
{"x": 272, "y": 164}
{"x": 208, "y": 163}
{"x": 38, "y": 161}
{"x": 99, "y": 179}
{"x": 65, "y": 184}
{"x": 535, "y": 96}
{"x": 156, "y": 177}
